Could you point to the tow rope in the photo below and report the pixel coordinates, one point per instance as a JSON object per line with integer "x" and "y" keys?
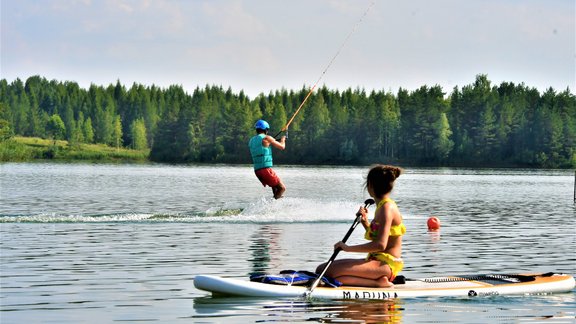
{"x": 285, "y": 128}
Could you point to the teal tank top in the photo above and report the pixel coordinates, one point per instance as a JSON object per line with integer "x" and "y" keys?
{"x": 261, "y": 156}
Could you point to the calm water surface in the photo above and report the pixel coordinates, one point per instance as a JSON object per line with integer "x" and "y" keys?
{"x": 122, "y": 243}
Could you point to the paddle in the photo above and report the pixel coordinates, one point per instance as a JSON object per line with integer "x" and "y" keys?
{"x": 314, "y": 284}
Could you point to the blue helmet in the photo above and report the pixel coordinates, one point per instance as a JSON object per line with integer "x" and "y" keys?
{"x": 261, "y": 124}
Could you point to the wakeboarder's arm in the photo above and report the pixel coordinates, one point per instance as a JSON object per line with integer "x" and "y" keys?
{"x": 281, "y": 145}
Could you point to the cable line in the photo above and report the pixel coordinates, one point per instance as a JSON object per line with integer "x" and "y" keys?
{"x": 285, "y": 128}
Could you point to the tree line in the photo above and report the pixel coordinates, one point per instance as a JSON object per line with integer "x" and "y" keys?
{"x": 477, "y": 125}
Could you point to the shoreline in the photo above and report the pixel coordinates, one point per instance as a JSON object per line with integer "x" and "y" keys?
{"x": 35, "y": 149}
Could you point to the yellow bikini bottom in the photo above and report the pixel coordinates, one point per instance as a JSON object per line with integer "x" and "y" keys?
{"x": 395, "y": 264}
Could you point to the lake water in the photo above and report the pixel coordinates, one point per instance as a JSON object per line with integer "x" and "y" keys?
{"x": 83, "y": 243}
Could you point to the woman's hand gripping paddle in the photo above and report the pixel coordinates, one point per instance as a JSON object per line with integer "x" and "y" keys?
{"x": 314, "y": 284}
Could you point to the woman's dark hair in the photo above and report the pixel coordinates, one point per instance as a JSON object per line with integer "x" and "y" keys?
{"x": 381, "y": 178}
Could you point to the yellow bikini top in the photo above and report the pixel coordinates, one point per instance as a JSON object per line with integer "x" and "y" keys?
{"x": 395, "y": 230}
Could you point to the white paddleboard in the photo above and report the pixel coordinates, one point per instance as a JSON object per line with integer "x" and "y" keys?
{"x": 461, "y": 285}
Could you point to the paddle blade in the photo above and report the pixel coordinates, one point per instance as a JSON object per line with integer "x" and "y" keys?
{"x": 369, "y": 202}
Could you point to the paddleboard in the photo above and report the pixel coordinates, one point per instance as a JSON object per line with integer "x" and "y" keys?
{"x": 459, "y": 285}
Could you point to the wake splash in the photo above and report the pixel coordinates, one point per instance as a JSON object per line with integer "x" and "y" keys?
{"x": 264, "y": 210}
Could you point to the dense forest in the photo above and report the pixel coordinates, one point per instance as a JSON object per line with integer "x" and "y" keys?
{"x": 477, "y": 125}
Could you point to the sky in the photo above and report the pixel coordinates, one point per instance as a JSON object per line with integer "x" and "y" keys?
{"x": 260, "y": 46}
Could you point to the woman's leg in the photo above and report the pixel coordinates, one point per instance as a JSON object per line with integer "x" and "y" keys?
{"x": 359, "y": 272}
{"x": 381, "y": 282}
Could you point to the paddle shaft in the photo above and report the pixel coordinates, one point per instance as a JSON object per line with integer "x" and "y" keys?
{"x": 333, "y": 257}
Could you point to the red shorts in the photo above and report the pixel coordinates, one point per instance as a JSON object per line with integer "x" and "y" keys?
{"x": 268, "y": 177}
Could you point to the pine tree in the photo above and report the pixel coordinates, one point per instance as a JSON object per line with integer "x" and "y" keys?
{"x": 117, "y": 132}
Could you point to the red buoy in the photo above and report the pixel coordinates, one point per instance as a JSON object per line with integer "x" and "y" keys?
{"x": 433, "y": 224}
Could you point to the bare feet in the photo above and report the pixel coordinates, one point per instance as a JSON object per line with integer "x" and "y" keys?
{"x": 383, "y": 282}
{"x": 278, "y": 190}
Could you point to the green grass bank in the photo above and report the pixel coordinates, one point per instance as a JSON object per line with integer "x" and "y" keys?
{"x": 23, "y": 149}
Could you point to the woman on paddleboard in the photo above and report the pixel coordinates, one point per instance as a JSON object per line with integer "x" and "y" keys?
{"x": 383, "y": 261}
{"x": 261, "y": 150}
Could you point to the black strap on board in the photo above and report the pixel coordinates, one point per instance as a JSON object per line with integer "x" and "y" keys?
{"x": 490, "y": 278}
